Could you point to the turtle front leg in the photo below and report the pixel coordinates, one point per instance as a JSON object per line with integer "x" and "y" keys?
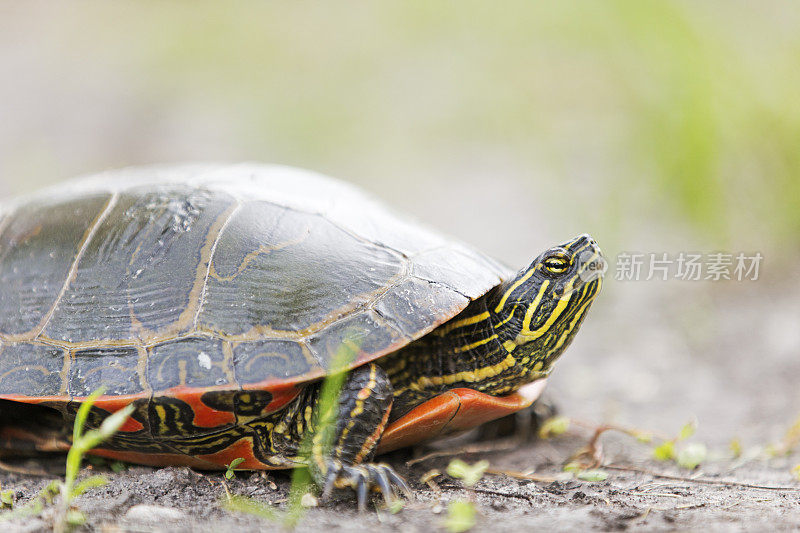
{"x": 342, "y": 452}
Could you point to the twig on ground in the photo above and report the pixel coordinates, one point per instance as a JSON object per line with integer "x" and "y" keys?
{"x": 490, "y": 492}
{"x": 499, "y": 446}
{"x": 633, "y": 432}
{"x": 521, "y": 475}
{"x": 591, "y": 455}
{"x": 703, "y": 481}
{"x": 689, "y": 506}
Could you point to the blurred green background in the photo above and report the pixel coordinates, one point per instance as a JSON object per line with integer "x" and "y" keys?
{"x": 654, "y": 125}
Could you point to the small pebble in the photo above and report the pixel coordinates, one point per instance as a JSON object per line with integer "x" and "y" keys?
{"x": 153, "y": 513}
{"x": 308, "y": 500}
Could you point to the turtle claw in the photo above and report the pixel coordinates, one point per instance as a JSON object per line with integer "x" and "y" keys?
{"x": 381, "y": 478}
{"x": 362, "y": 492}
{"x": 362, "y": 478}
{"x": 395, "y": 478}
{"x": 334, "y": 467}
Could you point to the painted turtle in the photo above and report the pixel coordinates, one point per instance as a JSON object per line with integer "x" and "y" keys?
{"x": 216, "y": 298}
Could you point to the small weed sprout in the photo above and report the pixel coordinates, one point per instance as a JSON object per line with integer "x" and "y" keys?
{"x": 691, "y": 455}
{"x": 118, "y": 466}
{"x": 592, "y": 475}
{"x": 584, "y": 465}
{"x": 735, "y": 446}
{"x": 460, "y": 516}
{"x": 36, "y": 504}
{"x": 461, "y": 513}
{"x": 396, "y": 506}
{"x": 313, "y": 443}
{"x": 82, "y": 442}
{"x": 582, "y": 472}
{"x": 468, "y": 474}
{"x": 789, "y": 442}
{"x": 687, "y": 455}
{"x": 229, "y": 475}
{"x": 554, "y": 426}
{"x": 67, "y": 516}
{"x": 245, "y": 505}
{"x": 664, "y": 451}
{"x": 229, "y": 471}
{"x": 7, "y": 499}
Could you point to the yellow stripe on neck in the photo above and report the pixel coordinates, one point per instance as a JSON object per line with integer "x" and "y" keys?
{"x": 467, "y": 376}
{"x": 473, "y": 345}
{"x": 534, "y": 305}
{"x": 511, "y": 289}
{"x": 450, "y": 326}
{"x": 527, "y": 335}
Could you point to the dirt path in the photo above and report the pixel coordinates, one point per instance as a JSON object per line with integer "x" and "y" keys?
{"x": 625, "y": 500}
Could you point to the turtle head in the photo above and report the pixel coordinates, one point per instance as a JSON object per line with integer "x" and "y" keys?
{"x": 537, "y": 313}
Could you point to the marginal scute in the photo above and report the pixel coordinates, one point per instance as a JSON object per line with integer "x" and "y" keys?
{"x": 116, "y": 369}
{"x": 192, "y": 361}
{"x": 272, "y": 359}
{"x": 31, "y": 369}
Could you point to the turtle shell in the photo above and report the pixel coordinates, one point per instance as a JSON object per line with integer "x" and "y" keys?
{"x": 175, "y": 281}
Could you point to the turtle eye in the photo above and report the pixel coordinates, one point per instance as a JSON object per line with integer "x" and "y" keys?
{"x": 556, "y": 263}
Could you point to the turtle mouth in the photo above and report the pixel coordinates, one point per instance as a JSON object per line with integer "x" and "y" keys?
{"x": 587, "y": 281}
{"x": 591, "y": 263}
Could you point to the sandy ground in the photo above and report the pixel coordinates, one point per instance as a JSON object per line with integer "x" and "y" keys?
{"x": 737, "y": 379}
{"x": 626, "y": 500}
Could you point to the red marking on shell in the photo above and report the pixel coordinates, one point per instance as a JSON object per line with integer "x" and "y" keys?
{"x": 112, "y": 404}
{"x": 34, "y": 400}
{"x": 282, "y": 394}
{"x": 204, "y": 416}
{"x": 240, "y": 449}
{"x": 453, "y": 411}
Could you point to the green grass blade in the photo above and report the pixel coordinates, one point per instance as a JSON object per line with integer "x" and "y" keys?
{"x": 83, "y": 413}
